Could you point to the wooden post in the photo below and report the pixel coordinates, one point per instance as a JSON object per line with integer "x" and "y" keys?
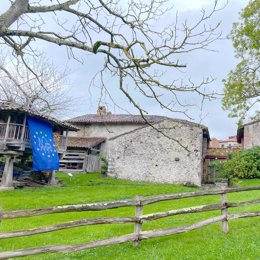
{"x": 224, "y": 212}
{"x": 7, "y": 128}
{"x": 7, "y": 178}
{"x": 23, "y": 129}
{"x": 138, "y": 224}
{"x": 52, "y": 180}
{"x": 66, "y": 140}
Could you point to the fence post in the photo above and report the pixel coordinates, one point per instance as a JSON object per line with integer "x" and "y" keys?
{"x": 224, "y": 212}
{"x": 138, "y": 223}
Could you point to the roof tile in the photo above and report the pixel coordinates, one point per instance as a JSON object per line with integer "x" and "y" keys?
{"x": 7, "y": 106}
{"x": 84, "y": 142}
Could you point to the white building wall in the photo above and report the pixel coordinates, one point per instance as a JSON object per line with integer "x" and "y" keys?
{"x": 230, "y": 144}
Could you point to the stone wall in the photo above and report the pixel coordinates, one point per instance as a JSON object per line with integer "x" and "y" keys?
{"x": 147, "y": 155}
{"x": 103, "y": 130}
{"x": 252, "y": 135}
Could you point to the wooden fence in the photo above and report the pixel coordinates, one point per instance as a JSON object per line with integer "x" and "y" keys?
{"x": 138, "y": 220}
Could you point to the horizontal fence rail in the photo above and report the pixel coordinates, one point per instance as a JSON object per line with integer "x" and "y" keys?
{"x": 116, "y": 204}
{"x": 138, "y": 220}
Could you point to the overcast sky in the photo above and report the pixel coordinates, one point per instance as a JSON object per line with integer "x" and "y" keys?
{"x": 200, "y": 64}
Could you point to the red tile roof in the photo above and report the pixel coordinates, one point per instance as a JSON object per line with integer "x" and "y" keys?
{"x": 7, "y": 106}
{"x": 110, "y": 118}
{"x": 129, "y": 119}
{"x": 85, "y": 142}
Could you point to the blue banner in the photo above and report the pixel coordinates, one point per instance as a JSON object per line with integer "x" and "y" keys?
{"x": 45, "y": 155}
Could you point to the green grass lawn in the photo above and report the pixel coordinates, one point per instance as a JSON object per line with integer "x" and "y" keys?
{"x": 242, "y": 241}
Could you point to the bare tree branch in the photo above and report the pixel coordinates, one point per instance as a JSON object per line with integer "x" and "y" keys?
{"x": 138, "y": 48}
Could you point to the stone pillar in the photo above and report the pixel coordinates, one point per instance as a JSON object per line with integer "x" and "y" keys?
{"x": 7, "y": 178}
{"x": 52, "y": 179}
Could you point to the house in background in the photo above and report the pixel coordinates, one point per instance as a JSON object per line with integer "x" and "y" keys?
{"x": 15, "y": 142}
{"x": 248, "y": 135}
{"x": 137, "y": 151}
{"x": 230, "y": 143}
{"x": 214, "y": 143}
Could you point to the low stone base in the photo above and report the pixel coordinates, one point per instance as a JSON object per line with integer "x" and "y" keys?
{"x": 6, "y": 188}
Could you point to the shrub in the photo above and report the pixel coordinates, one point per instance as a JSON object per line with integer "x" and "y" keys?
{"x": 104, "y": 164}
{"x": 244, "y": 164}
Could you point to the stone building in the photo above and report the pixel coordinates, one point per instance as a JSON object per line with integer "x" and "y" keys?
{"x": 103, "y": 126}
{"x": 249, "y": 134}
{"x": 171, "y": 151}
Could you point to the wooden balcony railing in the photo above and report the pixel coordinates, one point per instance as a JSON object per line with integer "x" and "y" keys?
{"x": 16, "y": 135}
{"x": 15, "y": 132}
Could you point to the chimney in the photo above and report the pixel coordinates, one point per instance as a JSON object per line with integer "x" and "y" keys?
{"x": 102, "y": 111}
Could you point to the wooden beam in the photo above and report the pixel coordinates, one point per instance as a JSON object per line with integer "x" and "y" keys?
{"x": 124, "y": 203}
{"x": 67, "y": 208}
{"x": 23, "y": 129}
{"x": 178, "y": 230}
{"x": 7, "y": 128}
{"x": 67, "y": 248}
{"x": 244, "y": 215}
{"x": 122, "y": 239}
{"x": 67, "y": 225}
{"x": 169, "y": 213}
{"x": 165, "y": 197}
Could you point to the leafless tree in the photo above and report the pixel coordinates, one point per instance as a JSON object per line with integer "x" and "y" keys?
{"x": 20, "y": 83}
{"x": 135, "y": 47}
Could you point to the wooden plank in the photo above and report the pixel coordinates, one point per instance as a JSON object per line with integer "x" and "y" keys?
{"x": 75, "y": 154}
{"x": 169, "y": 213}
{"x": 243, "y": 203}
{"x": 71, "y": 161}
{"x": 67, "y": 248}
{"x": 70, "y": 170}
{"x": 73, "y": 157}
{"x": 244, "y": 215}
{"x": 111, "y": 241}
{"x": 177, "y": 230}
{"x": 67, "y": 208}
{"x": 122, "y": 203}
{"x": 165, "y": 197}
{"x": 67, "y": 225}
{"x": 120, "y": 239}
{"x": 195, "y": 209}
{"x": 92, "y": 163}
